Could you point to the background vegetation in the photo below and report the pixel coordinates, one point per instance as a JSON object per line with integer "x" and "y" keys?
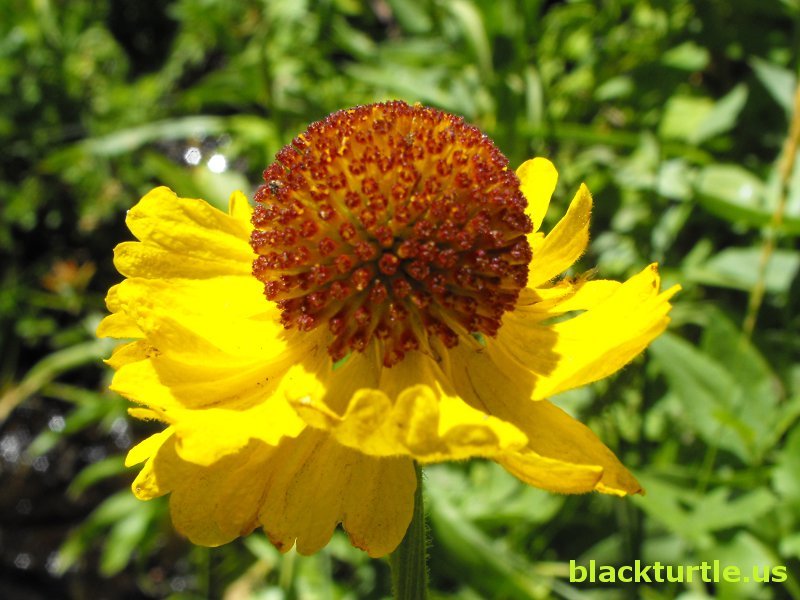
{"x": 675, "y": 112}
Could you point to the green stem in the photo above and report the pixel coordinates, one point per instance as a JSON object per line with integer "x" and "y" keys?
{"x": 785, "y": 169}
{"x": 408, "y": 561}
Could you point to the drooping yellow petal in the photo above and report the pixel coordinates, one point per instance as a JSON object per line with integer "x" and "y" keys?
{"x": 564, "y": 244}
{"x": 540, "y": 444}
{"x": 150, "y": 482}
{"x": 147, "y": 447}
{"x": 538, "y": 178}
{"x": 562, "y": 455}
{"x": 426, "y": 421}
{"x": 315, "y": 483}
{"x": 336, "y": 387}
{"x": 551, "y": 474}
{"x": 298, "y": 491}
{"x": 556, "y": 435}
{"x": 214, "y": 504}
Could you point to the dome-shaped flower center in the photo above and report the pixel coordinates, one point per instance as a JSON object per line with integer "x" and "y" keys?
{"x": 395, "y": 223}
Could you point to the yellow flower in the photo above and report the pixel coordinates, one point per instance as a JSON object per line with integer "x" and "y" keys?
{"x": 412, "y": 313}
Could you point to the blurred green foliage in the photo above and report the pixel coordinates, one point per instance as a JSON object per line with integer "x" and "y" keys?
{"x": 674, "y": 112}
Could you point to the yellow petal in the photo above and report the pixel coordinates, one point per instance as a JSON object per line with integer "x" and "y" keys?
{"x": 585, "y": 348}
{"x": 212, "y": 505}
{"x": 239, "y": 208}
{"x": 299, "y": 492}
{"x": 150, "y": 483}
{"x": 586, "y": 295}
{"x": 224, "y": 319}
{"x": 556, "y": 435}
{"x": 315, "y": 483}
{"x": 147, "y": 448}
{"x": 134, "y": 259}
{"x": 144, "y": 414}
{"x": 565, "y": 296}
{"x": 562, "y": 455}
{"x": 184, "y": 237}
{"x": 113, "y": 303}
{"x": 336, "y": 388}
{"x": 564, "y": 244}
{"x": 551, "y": 474}
{"x": 130, "y": 353}
{"x": 426, "y": 421}
{"x": 218, "y": 411}
{"x": 204, "y": 437}
{"x": 118, "y": 325}
{"x": 538, "y": 178}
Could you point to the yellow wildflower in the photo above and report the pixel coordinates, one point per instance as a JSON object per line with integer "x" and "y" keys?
{"x": 410, "y": 315}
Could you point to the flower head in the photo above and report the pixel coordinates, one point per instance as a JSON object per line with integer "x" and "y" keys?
{"x": 393, "y": 224}
{"x": 389, "y": 300}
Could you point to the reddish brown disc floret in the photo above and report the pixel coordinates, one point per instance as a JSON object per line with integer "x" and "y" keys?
{"x": 395, "y": 223}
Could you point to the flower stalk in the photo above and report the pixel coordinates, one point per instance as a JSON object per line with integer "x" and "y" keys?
{"x": 409, "y": 561}
{"x": 785, "y": 170}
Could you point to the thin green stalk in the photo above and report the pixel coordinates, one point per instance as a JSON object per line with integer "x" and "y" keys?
{"x": 409, "y": 560}
{"x": 786, "y": 168}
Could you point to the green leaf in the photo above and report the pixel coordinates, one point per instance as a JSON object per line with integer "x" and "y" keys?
{"x": 352, "y": 40}
{"x": 111, "y": 510}
{"x": 411, "y": 16}
{"x": 683, "y": 115}
{"x": 710, "y": 397}
{"x": 790, "y": 546}
{"x": 534, "y": 97}
{"x": 738, "y": 268}
{"x": 124, "y": 538}
{"x": 733, "y": 186}
{"x": 95, "y": 473}
{"x": 459, "y": 516}
{"x": 694, "y": 516}
{"x": 405, "y": 82}
{"x": 738, "y": 196}
{"x": 675, "y": 179}
{"x": 763, "y": 407}
{"x": 127, "y": 140}
{"x": 722, "y": 117}
{"x": 779, "y": 81}
{"x": 786, "y": 474}
{"x": 616, "y": 87}
{"x": 471, "y": 23}
{"x": 666, "y": 503}
{"x": 669, "y": 226}
{"x": 477, "y": 561}
{"x": 687, "y": 57}
{"x": 725, "y": 343}
{"x": 717, "y": 510}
